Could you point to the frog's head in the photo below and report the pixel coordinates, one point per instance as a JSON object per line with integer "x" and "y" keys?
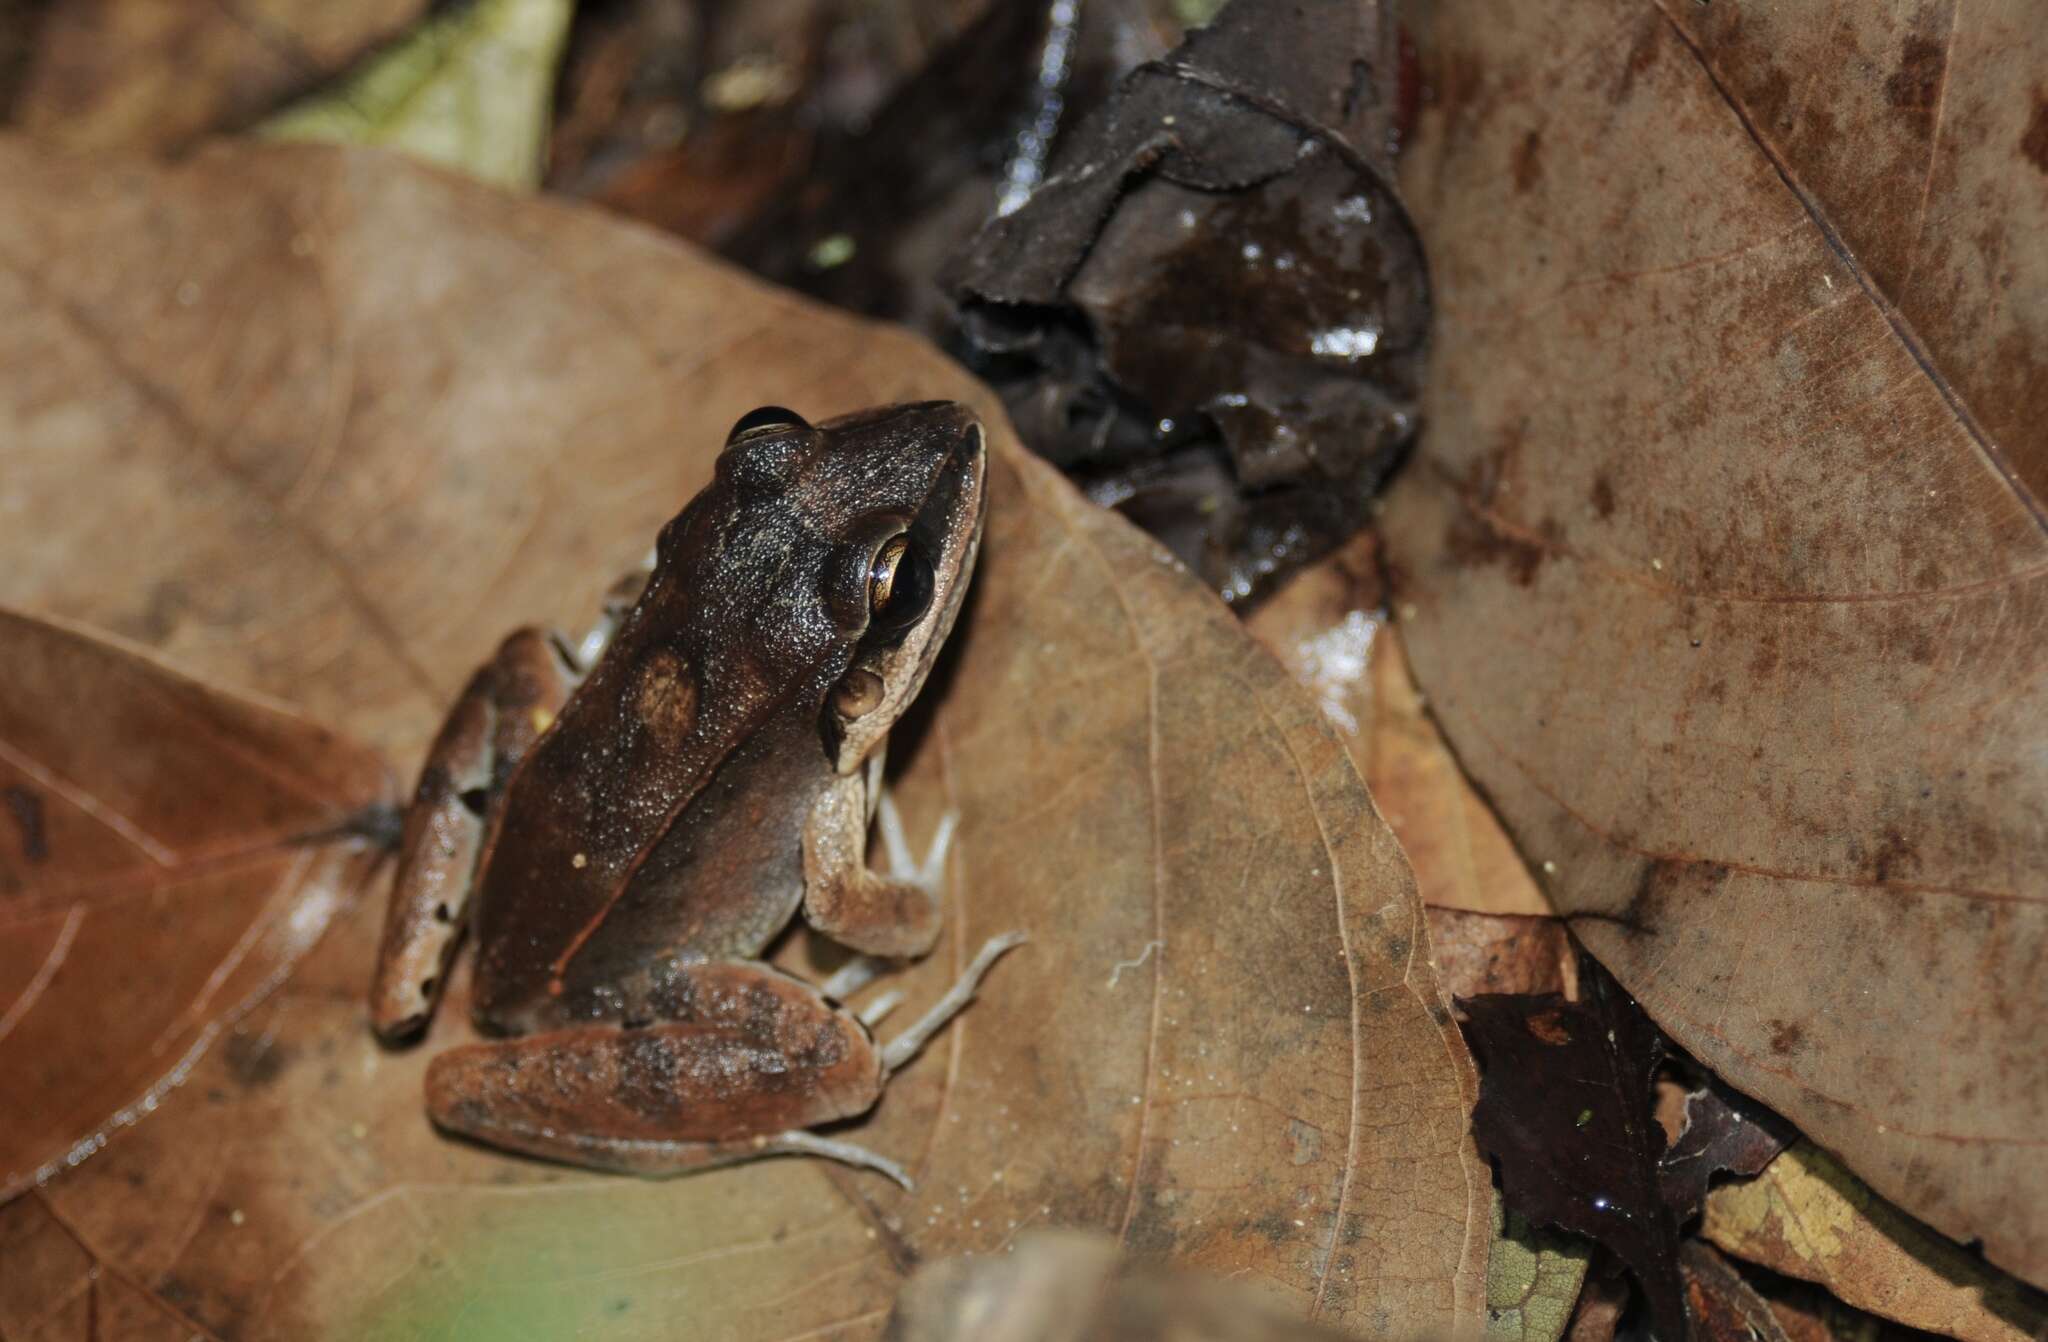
{"x": 839, "y": 554}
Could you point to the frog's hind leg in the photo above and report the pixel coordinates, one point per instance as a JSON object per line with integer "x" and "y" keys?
{"x": 743, "y": 1060}
{"x": 501, "y": 713}
{"x": 740, "y": 1061}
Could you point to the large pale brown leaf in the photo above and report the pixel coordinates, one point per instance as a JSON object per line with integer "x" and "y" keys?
{"x": 1329, "y": 626}
{"x": 400, "y": 413}
{"x": 1725, "y": 548}
{"x": 157, "y": 74}
{"x": 167, "y": 852}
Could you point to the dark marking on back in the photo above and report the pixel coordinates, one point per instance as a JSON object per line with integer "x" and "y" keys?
{"x": 26, "y": 806}
{"x": 254, "y": 1060}
{"x": 1527, "y": 162}
{"x": 1603, "y": 496}
{"x": 1915, "y": 87}
{"x": 2034, "y": 142}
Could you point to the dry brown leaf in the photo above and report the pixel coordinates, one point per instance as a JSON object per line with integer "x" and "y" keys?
{"x": 1806, "y": 1313}
{"x": 1807, "y": 1217}
{"x": 158, "y": 74}
{"x": 1327, "y": 625}
{"x": 1494, "y": 953}
{"x": 401, "y": 413}
{"x": 1725, "y": 545}
{"x": 167, "y": 852}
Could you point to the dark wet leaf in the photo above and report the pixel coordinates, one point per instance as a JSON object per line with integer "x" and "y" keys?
{"x": 839, "y": 149}
{"x": 1726, "y": 1132}
{"x": 871, "y": 223}
{"x": 1215, "y": 310}
{"x": 1565, "y": 1111}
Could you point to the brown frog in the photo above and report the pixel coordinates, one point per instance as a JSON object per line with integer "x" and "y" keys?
{"x": 630, "y": 823}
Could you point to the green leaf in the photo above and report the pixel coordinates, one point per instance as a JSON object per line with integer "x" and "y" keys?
{"x": 470, "y": 89}
{"x": 1532, "y": 1280}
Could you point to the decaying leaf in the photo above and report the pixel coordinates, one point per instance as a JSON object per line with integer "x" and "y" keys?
{"x": 349, "y": 421}
{"x": 1726, "y": 550}
{"x": 1602, "y": 1301}
{"x": 1565, "y": 1111}
{"x": 1723, "y": 1132}
{"x": 1215, "y": 309}
{"x": 470, "y": 89}
{"x": 167, "y": 853}
{"x": 1328, "y": 624}
{"x": 159, "y": 74}
{"x": 1724, "y": 1307}
{"x": 1532, "y": 1280}
{"x": 1807, "y": 1217}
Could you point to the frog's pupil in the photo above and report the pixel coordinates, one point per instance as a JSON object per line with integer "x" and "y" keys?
{"x": 882, "y": 579}
{"x": 899, "y": 589}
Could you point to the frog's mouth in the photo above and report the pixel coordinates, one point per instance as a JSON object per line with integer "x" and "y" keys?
{"x": 947, "y": 533}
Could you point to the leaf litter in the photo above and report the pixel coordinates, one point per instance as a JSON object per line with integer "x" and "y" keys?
{"x": 1209, "y": 1107}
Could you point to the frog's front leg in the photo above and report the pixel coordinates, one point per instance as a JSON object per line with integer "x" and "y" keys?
{"x": 502, "y": 712}
{"x": 740, "y": 1061}
{"x": 894, "y": 916}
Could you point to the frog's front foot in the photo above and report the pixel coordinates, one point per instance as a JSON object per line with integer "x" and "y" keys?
{"x": 905, "y": 871}
{"x": 893, "y": 915}
{"x": 928, "y": 875}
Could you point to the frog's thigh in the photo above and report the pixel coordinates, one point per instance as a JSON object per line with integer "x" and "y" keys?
{"x": 843, "y": 898}
{"x": 502, "y": 711}
{"x": 751, "y": 1055}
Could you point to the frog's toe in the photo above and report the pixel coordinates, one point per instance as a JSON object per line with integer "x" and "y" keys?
{"x": 905, "y": 1046}
{"x": 903, "y": 866}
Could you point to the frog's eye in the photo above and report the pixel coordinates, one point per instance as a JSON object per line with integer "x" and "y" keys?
{"x": 899, "y": 585}
{"x": 767, "y": 420}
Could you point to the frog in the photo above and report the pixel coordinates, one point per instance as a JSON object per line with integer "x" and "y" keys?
{"x": 625, "y": 824}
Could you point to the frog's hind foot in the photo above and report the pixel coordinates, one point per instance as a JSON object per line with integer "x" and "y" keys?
{"x": 906, "y": 1046}
{"x": 801, "y": 1143}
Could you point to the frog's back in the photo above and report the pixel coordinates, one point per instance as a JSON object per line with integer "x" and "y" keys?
{"x": 608, "y": 865}
{"x": 661, "y": 815}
